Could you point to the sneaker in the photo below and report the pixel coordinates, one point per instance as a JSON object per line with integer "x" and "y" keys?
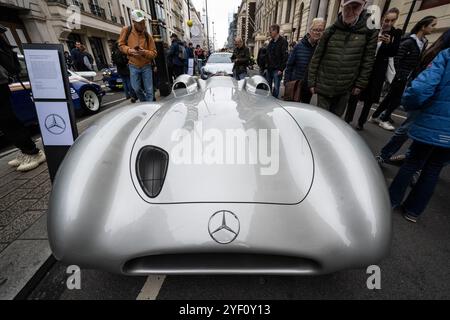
{"x": 373, "y": 120}
{"x": 410, "y": 218}
{"x": 386, "y": 125}
{"x": 31, "y": 161}
{"x": 17, "y": 161}
{"x": 133, "y": 100}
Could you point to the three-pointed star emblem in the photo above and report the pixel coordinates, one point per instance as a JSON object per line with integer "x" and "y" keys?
{"x": 55, "y": 124}
{"x": 223, "y": 226}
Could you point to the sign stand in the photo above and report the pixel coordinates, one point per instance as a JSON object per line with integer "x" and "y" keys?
{"x": 51, "y": 95}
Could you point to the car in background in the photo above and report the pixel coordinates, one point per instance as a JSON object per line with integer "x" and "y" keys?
{"x": 112, "y": 79}
{"x": 86, "y": 95}
{"x": 218, "y": 64}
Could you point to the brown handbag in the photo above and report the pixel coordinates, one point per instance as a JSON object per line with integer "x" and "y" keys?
{"x": 292, "y": 91}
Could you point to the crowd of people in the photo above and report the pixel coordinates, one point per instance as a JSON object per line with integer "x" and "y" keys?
{"x": 350, "y": 62}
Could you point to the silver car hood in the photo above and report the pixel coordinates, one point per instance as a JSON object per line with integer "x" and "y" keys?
{"x": 283, "y": 175}
{"x": 219, "y": 67}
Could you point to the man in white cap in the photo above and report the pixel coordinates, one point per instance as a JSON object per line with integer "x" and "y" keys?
{"x": 343, "y": 60}
{"x": 140, "y": 48}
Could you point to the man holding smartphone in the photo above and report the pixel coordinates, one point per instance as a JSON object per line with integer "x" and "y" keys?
{"x": 140, "y": 48}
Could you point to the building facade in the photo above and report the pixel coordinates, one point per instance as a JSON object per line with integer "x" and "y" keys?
{"x": 294, "y": 16}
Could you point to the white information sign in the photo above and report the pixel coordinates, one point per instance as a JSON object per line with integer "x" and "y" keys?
{"x": 45, "y": 74}
{"x": 54, "y": 122}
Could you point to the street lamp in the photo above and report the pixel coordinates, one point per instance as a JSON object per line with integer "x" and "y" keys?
{"x": 161, "y": 63}
{"x": 207, "y": 26}
{"x": 411, "y": 10}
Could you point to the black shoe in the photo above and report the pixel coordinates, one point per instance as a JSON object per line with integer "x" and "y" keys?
{"x": 360, "y": 127}
{"x": 133, "y": 100}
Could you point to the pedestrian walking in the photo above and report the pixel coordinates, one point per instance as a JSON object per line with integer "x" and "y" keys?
{"x": 241, "y": 59}
{"x": 177, "y": 56}
{"x": 276, "y": 59}
{"x": 29, "y": 156}
{"x": 387, "y": 47}
{"x": 406, "y": 61}
{"x": 300, "y": 57}
{"x": 140, "y": 48}
{"x": 400, "y": 135}
{"x": 86, "y": 60}
{"x": 261, "y": 59}
{"x": 430, "y": 151}
{"x": 77, "y": 59}
{"x": 344, "y": 58}
{"x": 120, "y": 60}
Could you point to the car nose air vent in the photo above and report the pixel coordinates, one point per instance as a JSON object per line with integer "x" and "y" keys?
{"x": 184, "y": 85}
{"x": 151, "y": 167}
{"x": 257, "y": 85}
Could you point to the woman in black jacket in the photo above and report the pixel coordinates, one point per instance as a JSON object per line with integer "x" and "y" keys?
{"x": 388, "y": 44}
{"x": 300, "y": 56}
{"x": 406, "y": 61}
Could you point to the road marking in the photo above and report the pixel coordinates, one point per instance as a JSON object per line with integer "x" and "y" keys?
{"x": 151, "y": 287}
{"x": 395, "y": 115}
{"x": 112, "y": 102}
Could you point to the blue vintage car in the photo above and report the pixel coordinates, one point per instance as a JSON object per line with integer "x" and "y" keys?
{"x": 112, "y": 79}
{"x": 86, "y": 96}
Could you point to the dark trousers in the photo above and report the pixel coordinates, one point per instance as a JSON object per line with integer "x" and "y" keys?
{"x": 428, "y": 158}
{"x": 391, "y": 101}
{"x": 11, "y": 127}
{"x": 177, "y": 70}
{"x": 351, "y": 108}
{"x": 335, "y": 104}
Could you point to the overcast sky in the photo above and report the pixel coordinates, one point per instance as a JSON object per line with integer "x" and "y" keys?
{"x": 218, "y": 11}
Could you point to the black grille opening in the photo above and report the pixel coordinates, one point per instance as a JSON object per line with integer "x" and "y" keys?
{"x": 221, "y": 263}
{"x": 151, "y": 170}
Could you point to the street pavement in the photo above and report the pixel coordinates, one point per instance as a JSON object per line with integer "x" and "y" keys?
{"x": 416, "y": 268}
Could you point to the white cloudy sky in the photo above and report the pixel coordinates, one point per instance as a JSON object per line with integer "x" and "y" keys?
{"x": 218, "y": 11}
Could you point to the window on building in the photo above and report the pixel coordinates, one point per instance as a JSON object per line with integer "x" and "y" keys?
{"x": 288, "y": 12}
{"x": 427, "y": 4}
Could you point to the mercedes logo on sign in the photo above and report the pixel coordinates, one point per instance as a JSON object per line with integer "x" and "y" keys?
{"x": 223, "y": 226}
{"x": 55, "y": 124}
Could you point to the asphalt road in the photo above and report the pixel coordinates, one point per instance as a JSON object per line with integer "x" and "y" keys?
{"x": 416, "y": 268}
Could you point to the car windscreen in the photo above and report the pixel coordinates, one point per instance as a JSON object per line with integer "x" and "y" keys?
{"x": 220, "y": 58}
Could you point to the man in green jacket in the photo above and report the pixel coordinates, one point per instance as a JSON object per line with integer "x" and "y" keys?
{"x": 343, "y": 60}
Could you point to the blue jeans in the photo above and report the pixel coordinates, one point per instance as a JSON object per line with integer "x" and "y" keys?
{"x": 428, "y": 158}
{"x": 399, "y": 138}
{"x": 127, "y": 88}
{"x": 142, "y": 76}
{"x": 272, "y": 76}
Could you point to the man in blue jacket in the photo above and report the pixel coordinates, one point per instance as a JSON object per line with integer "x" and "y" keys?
{"x": 430, "y": 150}
{"x": 176, "y": 55}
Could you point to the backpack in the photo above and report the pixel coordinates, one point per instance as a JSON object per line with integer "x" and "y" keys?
{"x": 119, "y": 58}
{"x": 182, "y": 52}
{"x": 129, "y": 32}
{"x": 9, "y": 59}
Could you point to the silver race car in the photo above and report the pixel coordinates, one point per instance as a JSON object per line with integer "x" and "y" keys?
{"x": 220, "y": 177}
